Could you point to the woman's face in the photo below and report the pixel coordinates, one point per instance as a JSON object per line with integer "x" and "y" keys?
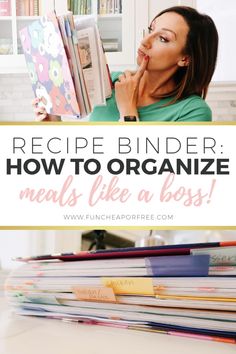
{"x": 165, "y": 44}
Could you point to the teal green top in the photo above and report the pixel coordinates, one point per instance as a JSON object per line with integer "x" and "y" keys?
{"x": 190, "y": 109}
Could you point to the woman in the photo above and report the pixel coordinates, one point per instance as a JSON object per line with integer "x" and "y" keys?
{"x": 176, "y": 62}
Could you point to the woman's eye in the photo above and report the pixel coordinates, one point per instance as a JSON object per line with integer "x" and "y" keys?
{"x": 159, "y": 37}
{"x": 163, "y": 39}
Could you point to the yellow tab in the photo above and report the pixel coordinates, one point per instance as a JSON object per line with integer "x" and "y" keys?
{"x": 94, "y": 293}
{"x": 131, "y": 286}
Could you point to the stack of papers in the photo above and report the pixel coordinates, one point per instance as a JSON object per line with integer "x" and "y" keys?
{"x": 184, "y": 289}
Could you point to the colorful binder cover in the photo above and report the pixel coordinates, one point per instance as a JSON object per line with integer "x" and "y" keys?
{"x": 48, "y": 66}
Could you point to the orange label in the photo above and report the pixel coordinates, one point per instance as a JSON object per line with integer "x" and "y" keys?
{"x": 94, "y": 293}
{"x": 131, "y": 286}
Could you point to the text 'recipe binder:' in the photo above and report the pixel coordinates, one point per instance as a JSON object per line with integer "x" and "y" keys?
{"x": 66, "y": 64}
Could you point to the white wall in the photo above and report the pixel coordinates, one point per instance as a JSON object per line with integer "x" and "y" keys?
{"x": 16, "y": 96}
{"x": 155, "y": 6}
{"x": 224, "y": 15}
{"x": 23, "y": 243}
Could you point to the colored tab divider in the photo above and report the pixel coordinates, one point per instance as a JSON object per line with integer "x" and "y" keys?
{"x": 50, "y": 299}
{"x": 186, "y": 297}
{"x": 129, "y": 285}
{"x": 94, "y": 293}
{"x": 178, "y": 266}
{"x": 218, "y": 255}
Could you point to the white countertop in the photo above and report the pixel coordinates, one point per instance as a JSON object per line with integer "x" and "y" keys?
{"x": 23, "y": 335}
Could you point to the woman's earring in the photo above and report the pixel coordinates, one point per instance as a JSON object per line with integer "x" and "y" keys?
{"x": 184, "y": 62}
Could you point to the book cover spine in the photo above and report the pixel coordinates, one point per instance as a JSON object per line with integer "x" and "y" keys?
{"x": 31, "y": 7}
{"x": 79, "y": 7}
{"x": 84, "y": 10}
{"x": 76, "y": 6}
{"x": 102, "y": 7}
{"x": 116, "y": 6}
{"x": 25, "y": 7}
{"x": 82, "y": 7}
{"x": 36, "y": 7}
{"x": 22, "y": 7}
{"x": 112, "y": 6}
{"x": 108, "y": 4}
{"x": 18, "y": 8}
{"x": 40, "y": 8}
{"x": 89, "y": 7}
{"x": 5, "y": 7}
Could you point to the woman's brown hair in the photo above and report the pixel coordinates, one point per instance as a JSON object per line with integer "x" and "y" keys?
{"x": 201, "y": 47}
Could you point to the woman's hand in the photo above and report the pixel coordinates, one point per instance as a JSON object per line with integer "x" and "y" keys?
{"x": 126, "y": 90}
{"x": 41, "y": 114}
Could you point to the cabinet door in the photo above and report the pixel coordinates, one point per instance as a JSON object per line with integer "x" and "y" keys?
{"x": 15, "y": 15}
{"x": 6, "y": 45}
{"x": 116, "y": 23}
{"x": 6, "y": 34}
{"x": 122, "y": 28}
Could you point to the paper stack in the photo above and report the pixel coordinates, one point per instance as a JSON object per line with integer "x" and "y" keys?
{"x": 181, "y": 290}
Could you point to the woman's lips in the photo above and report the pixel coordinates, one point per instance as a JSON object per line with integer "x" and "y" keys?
{"x": 140, "y": 52}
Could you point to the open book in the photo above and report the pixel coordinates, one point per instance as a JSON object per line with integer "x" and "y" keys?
{"x": 67, "y": 64}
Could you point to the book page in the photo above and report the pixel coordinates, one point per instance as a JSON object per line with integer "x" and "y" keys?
{"x": 91, "y": 69}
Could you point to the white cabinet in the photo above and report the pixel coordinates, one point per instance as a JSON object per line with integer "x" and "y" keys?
{"x": 119, "y": 29}
{"x": 12, "y": 20}
{"x": 121, "y": 32}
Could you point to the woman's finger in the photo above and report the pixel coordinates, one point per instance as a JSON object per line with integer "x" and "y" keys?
{"x": 41, "y": 116}
{"x": 40, "y": 110}
{"x": 40, "y": 113}
{"x": 142, "y": 68}
{"x": 35, "y": 102}
{"x": 127, "y": 74}
{"x": 121, "y": 77}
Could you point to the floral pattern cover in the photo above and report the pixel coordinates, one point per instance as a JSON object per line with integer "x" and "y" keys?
{"x": 48, "y": 66}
